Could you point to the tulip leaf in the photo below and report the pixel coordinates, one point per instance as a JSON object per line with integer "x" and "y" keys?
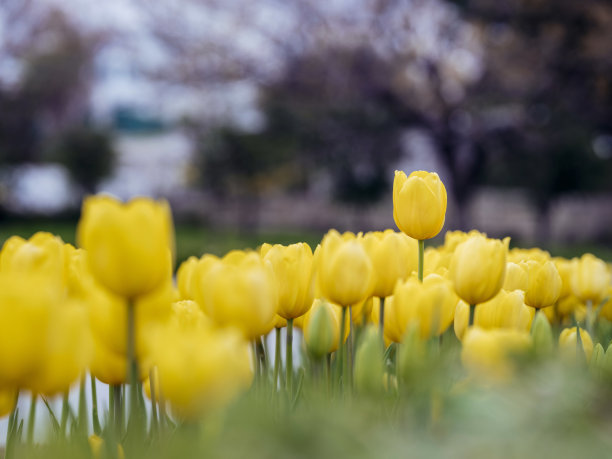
{"x": 54, "y": 421}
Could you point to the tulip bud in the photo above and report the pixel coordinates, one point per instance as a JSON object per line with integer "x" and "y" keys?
{"x": 369, "y": 365}
{"x": 344, "y": 269}
{"x": 544, "y": 284}
{"x": 565, "y": 271}
{"x": 504, "y": 310}
{"x": 184, "y": 277}
{"x": 130, "y": 246}
{"x": 569, "y": 347}
{"x": 607, "y": 363}
{"x": 419, "y": 204}
{"x": 319, "y": 331}
{"x": 597, "y": 361}
{"x": 478, "y": 268}
{"x": 412, "y": 355}
{"x": 462, "y": 317}
{"x": 541, "y": 333}
{"x": 394, "y": 257}
{"x": 590, "y": 278}
{"x": 516, "y": 277}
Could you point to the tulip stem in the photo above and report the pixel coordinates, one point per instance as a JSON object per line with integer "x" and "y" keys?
{"x": 421, "y": 258}
{"x": 64, "y": 416}
{"x": 277, "y": 351}
{"x": 382, "y": 320}
{"x": 83, "y": 424}
{"x": 589, "y": 318}
{"x": 472, "y": 314}
{"x": 94, "y": 407}
{"x": 340, "y": 363}
{"x": 31, "y": 419}
{"x": 350, "y": 346}
{"x": 153, "y": 390}
{"x": 289, "y": 356}
{"x": 134, "y": 416}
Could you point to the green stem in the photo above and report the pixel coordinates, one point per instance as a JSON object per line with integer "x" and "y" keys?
{"x": 154, "y": 419}
{"x": 277, "y": 358}
{"x": 134, "y": 416}
{"x": 289, "y": 356}
{"x": 83, "y": 417}
{"x": 94, "y": 407}
{"x": 118, "y": 408}
{"x": 340, "y": 362}
{"x": 65, "y": 409}
{"x": 31, "y": 419}
{"x": 580, "y": 354}
{"x": 472, "y": 314}
{"x": 350, "y": 347}
{"x": 421, "y": 258}
{"x": 381, "y": 317}
{"x": 589, "y": 318}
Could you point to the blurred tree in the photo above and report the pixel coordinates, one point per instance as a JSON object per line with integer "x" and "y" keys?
{"x": 88, "y": 155}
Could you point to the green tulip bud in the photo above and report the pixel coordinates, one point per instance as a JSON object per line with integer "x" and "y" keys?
{"x": 542, "y": 335}
{"x": 369, "y": 366}
{"x": 319, "y": 333}
{"x": 596, "y": 364}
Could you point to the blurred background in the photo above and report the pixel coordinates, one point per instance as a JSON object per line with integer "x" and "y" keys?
{"x": 278, "y": 119}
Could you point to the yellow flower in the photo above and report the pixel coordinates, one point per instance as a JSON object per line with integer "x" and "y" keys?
{"x": 489, "y": 353}
{"x": 504, "y": 310}
{"x": 394, "y": 257}
{"x": 321, "y": 327}
{"x": 130, "y": 246}
{"x": 544, "y": 284}
{"x": 590, "y": 278}
{"x": 568, "y": 344}
{"x": 238, "y": 290}
{"x": 344, "y": 269}
{"x": 564, "y": 267}
{"x": 201, "y": 370}
{"x": 478, "y": 268}
{"x": 293, "y": 269}
{"x": 184, "y": 278}
{"x": 516, "y": 277}
{"x": 606, "y": 308}
{"x": 419, "y": 204}
{"x": 430, "y": 304}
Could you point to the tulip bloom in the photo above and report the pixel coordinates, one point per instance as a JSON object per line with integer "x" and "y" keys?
{"x": 478, "y": 268}
{"x": 568, "y": 343}
{"x": 590, "y": 278}
{"x": 544, "y": 284}
{"x": 419, "y": 204}
{"x": 130, "y": 246}
{"x": 322, "y": 328}
{"x": 393, "y": 256}
{"x": 344, "y": 269}
{"x": 293, "y": 269}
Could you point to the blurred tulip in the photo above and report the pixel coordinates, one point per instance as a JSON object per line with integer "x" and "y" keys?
{"x": 544, "y": 284}
{"x": 516, "y": 277}
{"x": 8, "y": 400}
{"x": 369, "y": 363}
{"x": 184, "y": 278}
{"x": 238, "y": 290}
{"x": 489, "y": 353}
{"x": 130, "y": 246}
{"x": 542, "y": 335}
{"x": 564, "y": 267}
{"x": 419, "y": 204}
{"x": 590, "y": 278}
{"x": 316, "y": 332}
{"x": 344, "y": 269}
{"x": 568, "y": 346}
{"x": 394, "y": 257}
{"x": 478, "y": 268}
{"x": 504, "y": 310}
{"x": 461, "y": 319}
{"x": 293, "y": 269}
{"x": 430, "y": 304}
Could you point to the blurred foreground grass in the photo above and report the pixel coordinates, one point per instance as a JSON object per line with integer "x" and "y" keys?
{"x": 196, "y": 240}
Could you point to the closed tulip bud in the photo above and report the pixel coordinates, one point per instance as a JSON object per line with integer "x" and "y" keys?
{"x": 293, "y": 269}
{"x": 504, "y": 310}
{"x": 186, "y": 314}
{"x": 542, "y": 335}
{"x": 369, "y": 365}
{"x": 590, "y": 278}
{"x": 184, "y": 278}
{"x": 412, "y": 355}
{"x": 394, "y": 257}
{"x": 419, "y": 204}
{"x": 516, "y": 277}
{"x": 238, "y": 290}
{"x": 517, "y": 255}
{"x": 607, "y": 363}
{"x": 569, "y": 347}
{"x": 430, "y": 304}
{"x": 8, "y": 400}
{"x": 489, "y": 353}
{"x": 130, "y": 246}
{"x": 606, "y": 307}
{"x": 478, "y": 267}
{"x": 544, "y": 284}
{"x": 462, "y": 317}
{"x": 597, "y": 361}
{"x": 344, "y": 269}
{"x": 201, "y": 370}
{"x": 321, "y": 328}
{"x": 564, "y": 267}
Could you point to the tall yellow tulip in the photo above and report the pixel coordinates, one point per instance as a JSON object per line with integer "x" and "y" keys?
{"x": 590, "y": 278}
{"x": 543, "y": 285}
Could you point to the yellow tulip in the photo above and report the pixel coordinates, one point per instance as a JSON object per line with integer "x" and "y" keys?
{"x": 544, "y": 284}
{"x": 238, "y": 290}
{"x": 8, "y": 400}
{"x": 504, "y": 310}
{"x": 392, "y": 333}
{"x": 517, "y": 255}
{"x": 130, "y": 246}
{"x": 344, "y": 269}
{"x": 293, "y": 269}
{"x": 606, "y": 308}
{"x": 419, "y": 204}
{"x": 516, "y": 277}
{"x": 478, "y": 267}
{"x": 564, "y": 267}
{"x": 201, "y": 370}
{"x": 568, "y": 343}
{"x": 394, "y": 257}
{"x": 430, "y": 304}
{"x": 323, "y": 318}
{"x": 461, "y": 319}
{"x": 489, "y": 353}
{"x": 184, "y": 278}
{"x": 590, "y": 278}
{"x": 187, "y": 314}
